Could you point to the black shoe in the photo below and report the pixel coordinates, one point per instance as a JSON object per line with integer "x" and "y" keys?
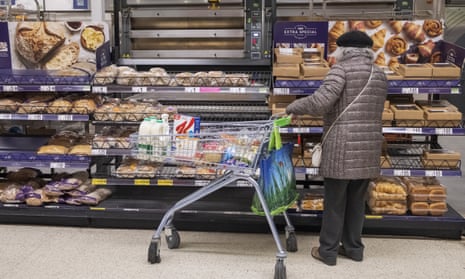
{"x": 316, "y": 254}
{"x": 343, "y": 253}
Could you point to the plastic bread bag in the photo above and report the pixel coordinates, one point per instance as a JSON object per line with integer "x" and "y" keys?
{"x": 95, "y": 197}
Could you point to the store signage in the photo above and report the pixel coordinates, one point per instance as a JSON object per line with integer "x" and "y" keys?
{"x": 5, "y": 57}
{"x": 80, "y": 4}
{"x": 103, "y": 55}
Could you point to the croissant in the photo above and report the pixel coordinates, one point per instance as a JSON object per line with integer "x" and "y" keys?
{"x": 380, "y": 59}
{"x": 414, "y": 31}
{"x": 357, "y": 25}
{"x": 378, "y": 39}
{"x": 432, "y": 27}
{"x": 396, "y": 26}
{"x": 337, "y": 30}
{"x": 372, "y": 24}
{"x": 396, "y": 45}
{"x": 426, "y": 49}
{"x": 393, "y": 63}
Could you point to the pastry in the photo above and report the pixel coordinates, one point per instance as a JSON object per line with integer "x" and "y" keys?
{"x": 184, "y": 79}
{"x": 92, "y": 37}
{"x": 414, "y": 32}
{"x": 380, "y": 59}
{"x": 432, "y": 27}
{"x": 84, "y": 106}
{"x": 337, "y": 30}
{"x": 411, "y": 58}
{"x": 35, "y": 41}
{"x": 394, "y": 63}
{"x": 372, "y": 24}
{"x": 63, "y": 57}
{"x": 9, "y": 104}
{"x": 200, "y": 79}
{"x": 396, "y": 45}
{"x": 357, "y": 25}
{"x": 396, "y": 26}
{"x": 378, "y": 39}
{"x": 162, "y": 78}
{"x": 106, "y": 75}
{"x": 216, "y": 78}
{"x": 426, "y": 49}
{"x": 436, "y": 57}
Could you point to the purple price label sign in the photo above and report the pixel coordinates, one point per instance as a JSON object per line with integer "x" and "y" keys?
{"x": 5, "y": 49}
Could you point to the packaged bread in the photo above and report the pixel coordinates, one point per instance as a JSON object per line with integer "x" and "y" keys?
{"x": 36, "y": 103}
{"x": 23, "y": 174}
{"x": 106, "y": 75}
{"x": 83, "y": 189}
{"x": 95, "y": 197}
{"x": 216, "y": 78}
{"x": 60, "y": 105}
{"x": 184, "y": 79}
{"x": 126, "y": 76}
{"x": 52, "y": 149}
{"x": 160, "y": 76}
{"x": 81, "y": 149}
{"x": 9, "y": 104}
{"x": 12, "y": 193}
{"x": 387, "y": 188}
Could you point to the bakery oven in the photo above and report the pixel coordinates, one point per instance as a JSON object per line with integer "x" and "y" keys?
{"x": 196, "y": 32}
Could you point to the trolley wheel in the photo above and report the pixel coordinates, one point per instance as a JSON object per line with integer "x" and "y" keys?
{"x": 154, "y": 251}
{"x": 172, "y": 238}
{"x": 291, "y": 242}
{"x": 280, "y": 270}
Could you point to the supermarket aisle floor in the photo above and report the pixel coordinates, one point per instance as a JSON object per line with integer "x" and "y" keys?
{"x": 65, "y": 252}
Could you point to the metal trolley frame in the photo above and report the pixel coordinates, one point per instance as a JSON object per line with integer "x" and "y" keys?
{"x": 245, "y": 143}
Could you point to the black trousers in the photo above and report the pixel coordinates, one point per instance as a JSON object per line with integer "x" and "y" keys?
{"x": 343, "y": 217}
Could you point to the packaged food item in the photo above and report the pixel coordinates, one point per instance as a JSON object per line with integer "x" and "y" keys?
{"x": 185, "y": 124}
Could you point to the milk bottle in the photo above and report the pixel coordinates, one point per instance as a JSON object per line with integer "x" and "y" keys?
{"x": 143, "y": 140}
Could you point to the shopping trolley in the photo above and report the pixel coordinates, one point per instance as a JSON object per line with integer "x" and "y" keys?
{"x": 234, "y": 149}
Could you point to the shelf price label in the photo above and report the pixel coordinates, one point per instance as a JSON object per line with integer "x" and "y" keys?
{"x": 65, "y": 117}
{"x": 433, "y": 173}
{"x": 6, "y": 116}
{"x": 455, "y": 90}
{"x": 99, "y": 152}
{"x": 443, "y": 131}
{"x": 281, "y": 91}
{"x": 142, "y": 182}
{"x": 402, "y": 173}
{"x": 192, "y": 89}
{"x": 139, "y": 89}
{"x": 165, "y": 182}
{"x": 35, "y": 117}
{"x": 236, "y": 90}
{"x": 99, "y": 181}
{"x": 410, "y": 90}
{"x": 374, "y": 217}
{"x": 57, "y": 165}
{"x": 201, "y": 183}
{"x": 47, "y": 88}
{"x": 10, "y": 88}
{"x": 100, "y": 89}
{"x": 414, "y": 130}
{"x": 312, "y": 171}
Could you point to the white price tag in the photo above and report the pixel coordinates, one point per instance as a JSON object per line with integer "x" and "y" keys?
{"x": 35, "y": 117}
{"x": 99, "y": 89}
{"x": 443, "y": 131}
{"x": 237, "y": 90}
{"x": 58, "y": 165}
{"x": 414, "y": 130}
{"x": 5, "y": 116}
{"x": 99, "y": 152}
{"x": 201, "y": 183}
{"x": 455, "y": 90}
{"x": 47, "y": 88}
{"x": 243, "y": 184}
{"x": 402, "y": 173}
{"x": 433, "y": 173}
{"x": 65, "y": 117}
{"x": 281, "y": 91}
{"x": 141, "y": 89}
{"x": 10, "y": 88}
{"x": 410, "y": 90}
{"x": 192, "y": 89}
{"x": 312, "y": 171}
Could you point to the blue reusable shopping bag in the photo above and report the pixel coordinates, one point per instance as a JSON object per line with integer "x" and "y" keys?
{"x": 277, "y": 178}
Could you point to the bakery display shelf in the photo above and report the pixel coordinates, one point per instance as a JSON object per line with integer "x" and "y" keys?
{"x": 42, "y": 81}
{"x": 306, "y": 87}
{"x": 46, "y": 117}
{"x": 11, "y": 158}
{"x": 313, "y": 171}
{"x": 110, "y": 89}
{"x": 458, "y": 131}
{"x": 228, "y": 209}
{"x": 159, "y": 182}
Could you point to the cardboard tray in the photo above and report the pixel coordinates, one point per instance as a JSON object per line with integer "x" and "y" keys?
{"x": 415, "y": 70}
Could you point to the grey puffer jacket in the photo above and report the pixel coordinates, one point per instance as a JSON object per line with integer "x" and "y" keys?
{"x": 353, "y": 147}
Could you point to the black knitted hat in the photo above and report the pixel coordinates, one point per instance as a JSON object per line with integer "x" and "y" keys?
{"x": 354, "y": 39}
